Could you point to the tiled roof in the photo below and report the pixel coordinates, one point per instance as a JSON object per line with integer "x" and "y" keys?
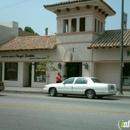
{"x": 30, "y": 43}
{"x": 75, "y": 1}
{"x": 110, "y": 39}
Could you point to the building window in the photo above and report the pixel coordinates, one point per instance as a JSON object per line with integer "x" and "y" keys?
{"x": 95, "y": 25}
{"x": 65, "y": 26}
{"x": 98, "y": 26}
{"x": 39, "y": 74}
{"x": 101, "y": 26}
{"x": 73, "y": 25}
{"x": 11, "y": 71}
{"x": 82, "y": 24}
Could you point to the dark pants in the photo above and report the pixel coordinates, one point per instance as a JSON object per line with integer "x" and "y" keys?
{"x": 58, "y": 81}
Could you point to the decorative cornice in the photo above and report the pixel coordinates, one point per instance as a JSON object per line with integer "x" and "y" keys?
{"x": 96, "y": 7}
{"x": 58, "y": 10}
{"x": 77, "y": 8}
{"x": 103, "y": 12}
{"x": 88, "y": 6}
{"x": 99, "y": 10}
{"x": 106, "y": 15}
{"x": 77, "y": 33}
{"x": 67, "y": 9}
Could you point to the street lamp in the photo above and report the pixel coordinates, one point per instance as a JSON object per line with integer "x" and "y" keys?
{"x": 121, "y": 49}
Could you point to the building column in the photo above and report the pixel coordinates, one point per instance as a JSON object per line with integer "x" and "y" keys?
{"x": 77, "y": 24}
{"x": 97, "y": 26}
{"x": 86, "y": 23}
{"x": 69, "y": 26}
{"x": 3, "y": 71}
{"x": 93, "y": 24}
{"x": 100, "y": 27}
{"x": 104, "y": 26}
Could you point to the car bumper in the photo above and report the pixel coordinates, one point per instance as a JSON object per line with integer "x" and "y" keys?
{"x": 107, "y": 93}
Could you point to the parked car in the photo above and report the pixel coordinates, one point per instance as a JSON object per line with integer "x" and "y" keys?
{"x": 91, "y": 87}
{"x": 2, "y": 86}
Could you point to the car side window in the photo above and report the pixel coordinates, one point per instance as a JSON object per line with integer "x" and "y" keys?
{"x": 81, "y": 81}
{"x": 69, "y": 81}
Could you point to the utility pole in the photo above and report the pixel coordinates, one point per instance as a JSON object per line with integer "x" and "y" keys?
{"x": 121, "y": 49}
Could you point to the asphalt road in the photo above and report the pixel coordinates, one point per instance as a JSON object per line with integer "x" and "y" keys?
{"x": 20, "y": 111}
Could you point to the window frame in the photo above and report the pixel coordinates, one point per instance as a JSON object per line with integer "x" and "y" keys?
{"x": 5, "y": 71}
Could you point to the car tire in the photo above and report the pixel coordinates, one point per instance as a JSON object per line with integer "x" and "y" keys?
{"x": 53, "y": 92}
{"x": 90, "y": 94}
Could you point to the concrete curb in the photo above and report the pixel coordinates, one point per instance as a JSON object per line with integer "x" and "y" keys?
{"x": 41, "y": 92}
{"x": 123, "y": 96}
{"x": 17, "y": 91}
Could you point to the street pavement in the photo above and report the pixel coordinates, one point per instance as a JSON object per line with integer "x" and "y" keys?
{"x": 126, "y": 94}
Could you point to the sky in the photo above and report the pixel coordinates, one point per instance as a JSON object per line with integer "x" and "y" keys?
{"x": 32, "y": 13}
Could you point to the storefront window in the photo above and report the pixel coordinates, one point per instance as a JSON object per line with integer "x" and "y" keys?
{"x": 40, "y": 75}
{"x": 11, "y": 71}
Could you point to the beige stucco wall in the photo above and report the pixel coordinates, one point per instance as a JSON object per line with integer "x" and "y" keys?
{"x": 107, "y": 64}
{"x": 8, "y": 30}
{"x": 79, "y": 55}
{"x": 108, "y": 72}
{"x": 75, "y": 37}
{"x": 112, "y": 54}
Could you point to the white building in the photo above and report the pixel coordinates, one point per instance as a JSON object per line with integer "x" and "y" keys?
{"x": 81, "y": 46}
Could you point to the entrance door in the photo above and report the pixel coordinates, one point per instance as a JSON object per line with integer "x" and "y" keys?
{"x": 74, "y": 69}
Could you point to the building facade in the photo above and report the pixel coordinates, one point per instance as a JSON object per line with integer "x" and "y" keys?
{"x": 81, "y": 47}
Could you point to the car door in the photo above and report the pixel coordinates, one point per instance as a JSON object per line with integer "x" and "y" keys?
{"x": 80, "y": 85}
{"x": 68, "y": 86}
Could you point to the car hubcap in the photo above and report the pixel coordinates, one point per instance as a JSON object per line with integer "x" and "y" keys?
{"x": 52, "y": 92}
{"x": 90, "y": 94}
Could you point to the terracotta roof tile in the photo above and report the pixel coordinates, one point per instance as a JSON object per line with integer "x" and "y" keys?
{"x": 30, "y": 43}
{"x": 111, "y": 38}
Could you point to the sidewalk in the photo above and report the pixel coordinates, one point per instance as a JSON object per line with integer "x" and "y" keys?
{"x": 24, "y": 89}
{"x": 126, "y": 94}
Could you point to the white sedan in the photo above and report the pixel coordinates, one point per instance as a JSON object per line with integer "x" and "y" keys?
{"x": 89, "y": 86}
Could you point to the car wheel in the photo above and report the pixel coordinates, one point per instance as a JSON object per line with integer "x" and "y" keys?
{"x": 90, "y": 94}
{"x": 53, "y": 92}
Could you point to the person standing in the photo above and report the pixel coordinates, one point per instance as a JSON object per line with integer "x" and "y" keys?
{"x": 58, "y": 78}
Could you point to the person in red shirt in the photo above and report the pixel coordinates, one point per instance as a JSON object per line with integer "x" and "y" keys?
{"x": 58, "y": 78}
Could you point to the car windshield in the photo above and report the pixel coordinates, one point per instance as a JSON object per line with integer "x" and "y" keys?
{"x": 96, "y": 80}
